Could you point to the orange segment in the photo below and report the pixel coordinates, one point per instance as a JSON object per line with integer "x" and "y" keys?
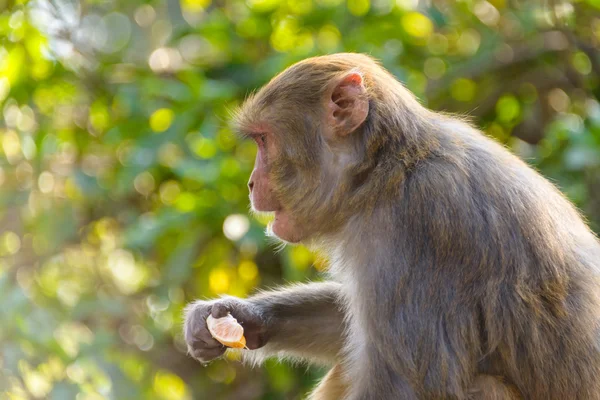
{"x": 227, "y": 331}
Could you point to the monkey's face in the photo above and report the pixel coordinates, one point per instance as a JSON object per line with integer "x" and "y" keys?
{"x": 262, "y": 194}
{"x": 305, "y": 138}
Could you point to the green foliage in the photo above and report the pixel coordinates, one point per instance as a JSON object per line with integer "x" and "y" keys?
{"x": 122, "y": 189}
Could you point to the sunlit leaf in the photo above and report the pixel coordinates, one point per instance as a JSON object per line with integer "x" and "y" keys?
{"x": 161, "y": 119}
{"x": 508, "y": 108}
{"x": 417, "y": 25}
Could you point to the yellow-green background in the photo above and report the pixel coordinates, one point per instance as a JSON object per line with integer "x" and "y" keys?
{"x": 123, "y": 192}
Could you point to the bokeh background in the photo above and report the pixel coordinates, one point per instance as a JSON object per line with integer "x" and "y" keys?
{"x": 123, "y": 191}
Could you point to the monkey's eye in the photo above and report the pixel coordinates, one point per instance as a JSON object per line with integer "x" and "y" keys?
{"x": 260, "y": 139}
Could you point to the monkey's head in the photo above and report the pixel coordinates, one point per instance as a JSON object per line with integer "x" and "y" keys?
{"x": 318, "y": 128}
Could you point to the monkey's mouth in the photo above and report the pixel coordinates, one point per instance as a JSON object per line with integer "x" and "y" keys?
{"x": 262, "y": 205}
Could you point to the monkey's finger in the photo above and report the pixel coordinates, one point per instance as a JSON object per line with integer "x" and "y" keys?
{"x": 203, "y": 338}
{"x": 195, "y": 320}
{"x": 254, "y": 341}
{"x": 256, "y": 335}
{"x": 206, "y": 355}
{"x": 220, "y": 310}
{"x": 199, "y": 344}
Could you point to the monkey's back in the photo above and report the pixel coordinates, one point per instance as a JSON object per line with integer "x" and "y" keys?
{"x": 528, "y": 257}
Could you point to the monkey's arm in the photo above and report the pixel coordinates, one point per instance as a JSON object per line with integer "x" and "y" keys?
{"x": 304, "y": 321}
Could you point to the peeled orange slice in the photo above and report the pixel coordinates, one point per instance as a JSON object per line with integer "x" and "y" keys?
{"x": 227, "y": 331}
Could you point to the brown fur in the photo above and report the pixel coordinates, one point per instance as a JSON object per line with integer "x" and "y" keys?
{"x": 332, "y": 386}
{"x": 484, "y": 387}
{"x": 487, "y": 387}
{"x": 460, "y": 272}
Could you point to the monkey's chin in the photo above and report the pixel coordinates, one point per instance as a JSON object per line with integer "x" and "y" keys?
{"x": 284, "y": 228}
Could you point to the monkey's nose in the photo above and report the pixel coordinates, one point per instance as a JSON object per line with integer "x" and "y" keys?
{"x": 250, "y": 185}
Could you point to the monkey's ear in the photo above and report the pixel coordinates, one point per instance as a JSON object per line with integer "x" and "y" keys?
{"x": 348, "y": 104}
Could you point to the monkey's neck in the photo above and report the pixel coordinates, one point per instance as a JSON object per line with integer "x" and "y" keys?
{"x": 396, "y": 145}
{"x": 364, "y": 241}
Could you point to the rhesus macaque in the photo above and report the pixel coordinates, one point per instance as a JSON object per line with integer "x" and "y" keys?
{"x": 457, "y": 271}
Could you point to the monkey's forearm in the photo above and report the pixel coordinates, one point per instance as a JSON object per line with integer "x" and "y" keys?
{"x": 304, "y": 321}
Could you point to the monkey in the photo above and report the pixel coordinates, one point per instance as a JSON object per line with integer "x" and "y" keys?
{"x": 456, "y": 271}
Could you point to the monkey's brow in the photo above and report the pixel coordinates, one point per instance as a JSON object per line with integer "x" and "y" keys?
{"x": 250, "y": 132}
{"x": 243, "y": 134}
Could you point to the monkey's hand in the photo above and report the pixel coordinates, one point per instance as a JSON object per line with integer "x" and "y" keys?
{"x": 202, "y": 346}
